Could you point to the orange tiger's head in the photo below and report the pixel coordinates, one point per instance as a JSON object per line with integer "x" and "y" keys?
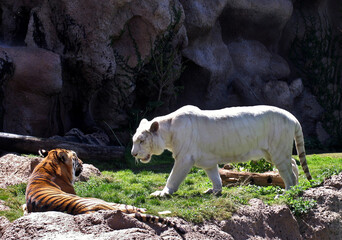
{"x": 63, "y": 164}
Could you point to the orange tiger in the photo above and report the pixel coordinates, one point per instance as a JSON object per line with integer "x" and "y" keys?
{"x": 50, "y": 188}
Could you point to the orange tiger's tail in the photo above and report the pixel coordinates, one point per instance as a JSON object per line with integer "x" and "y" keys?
{"x": 155, "y": 219}
{"x": 299, "y": 139}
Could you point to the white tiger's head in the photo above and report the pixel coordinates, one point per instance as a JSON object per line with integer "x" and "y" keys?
{"x": 147, "y": 141}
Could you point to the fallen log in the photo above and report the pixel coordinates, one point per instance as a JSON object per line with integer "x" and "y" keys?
{"x": 230, "y": 177}
{"x": 30, "y": 144}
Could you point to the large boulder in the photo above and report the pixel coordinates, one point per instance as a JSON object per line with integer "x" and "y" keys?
{"x": 16, "y": 169}
{"x": 4, "y": 223}
{"x": 264, "y": 221}
{"x": 262, "y": 20}
{"x": 30, "y": 96}
{"x": 210, "y": 53}
{"x": 100, "y": 225}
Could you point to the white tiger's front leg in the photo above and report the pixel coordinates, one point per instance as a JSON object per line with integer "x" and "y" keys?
{"x": 179, "y": 171}
{"x": 213, "y": 174}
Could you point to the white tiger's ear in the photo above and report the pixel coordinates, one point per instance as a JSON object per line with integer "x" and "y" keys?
{"x": 154, "y": 127}
{"x": 143, "y": 121}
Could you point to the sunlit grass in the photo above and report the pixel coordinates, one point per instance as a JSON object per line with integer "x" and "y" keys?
{"x": 14, "y": 197}
{"x": 134, "y": 187}
{"x": 190, "y": 203}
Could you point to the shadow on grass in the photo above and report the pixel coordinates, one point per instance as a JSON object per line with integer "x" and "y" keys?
{"x": 158, "y": 164}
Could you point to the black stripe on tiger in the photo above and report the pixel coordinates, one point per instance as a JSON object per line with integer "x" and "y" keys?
{"x": 155, "y": 219}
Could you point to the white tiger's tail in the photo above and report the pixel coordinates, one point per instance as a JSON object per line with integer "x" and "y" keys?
{"x": 299, "y": 139}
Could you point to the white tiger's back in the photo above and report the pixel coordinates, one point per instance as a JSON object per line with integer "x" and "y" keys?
{"x": 232, "y": 132}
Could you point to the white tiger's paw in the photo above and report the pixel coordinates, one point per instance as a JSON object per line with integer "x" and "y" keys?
{"x": 160, "y": 194}
{"x": 215, "y": 192}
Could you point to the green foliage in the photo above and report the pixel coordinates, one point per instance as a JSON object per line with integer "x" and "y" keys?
{"x": 153, "y": 77}
{"x": 14, "y": 197}
{"x": 316, "y": 56}
{"x": 254, "y": 166}
{"x": 298, "y": 204}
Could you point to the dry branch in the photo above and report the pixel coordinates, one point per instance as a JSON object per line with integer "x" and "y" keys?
{"x": 261, "y": 179}
{"x": 29, "y": 144}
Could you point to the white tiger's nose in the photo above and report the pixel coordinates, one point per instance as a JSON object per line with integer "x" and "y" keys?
{"x": 134, "y": 154}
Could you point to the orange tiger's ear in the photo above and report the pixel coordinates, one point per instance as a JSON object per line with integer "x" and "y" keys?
{"x": 61, "y": 155}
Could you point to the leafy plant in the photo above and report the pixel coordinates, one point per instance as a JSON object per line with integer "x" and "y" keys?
{"x": 300, "y": 206}
{"x": 153, "y": 77}
{"x": 254, "y": 166}
{"x": 316, "y": 56}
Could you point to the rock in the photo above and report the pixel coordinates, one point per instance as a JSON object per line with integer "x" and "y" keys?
{"x": 6, "y": 72}
{"x": 210, "y": 53}
{"x": 325, "y": 221}
{"x": 322, "y": 135}
{"x": 308, "y": 110}
{"x": 30, "y": 95}
{"x": 263, "y": 21}
{"x": 76, "y": 135}
{"x": 85, "y": 34}
{"x": 255, "y": 66}
{"x": 99, "y": 225}
{"x": 201, "y": 16}
{"x": 207, "y": 77}
{"x": 296, "y": 87}
{"x": 4, "y": 223}
{"x": 281, "y": 94}
{"x": 14, "y": 18}
{"x": 252, "y": 58}
{"x": 88, "y": 171}
{"x": 15, "y": 169}
{"x": 6, "y": 66}
{"x": 334, "y": 182}
{"x": 264, "y": 221}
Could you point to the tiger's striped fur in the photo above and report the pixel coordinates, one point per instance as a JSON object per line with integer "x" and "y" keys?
{"x": 299, "y": 139}
{"x": 50, "y": 188}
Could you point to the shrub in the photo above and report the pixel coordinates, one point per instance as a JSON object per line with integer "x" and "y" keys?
{"x": 254, "y": 166}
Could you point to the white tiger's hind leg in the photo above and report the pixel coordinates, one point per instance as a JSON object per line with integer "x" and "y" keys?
{"x": 295, "y": 169}
{"x": 213, "y": 174}
{"x": 284, "y": 167}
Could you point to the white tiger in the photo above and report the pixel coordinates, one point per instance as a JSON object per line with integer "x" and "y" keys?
{"x": 206, "y": 138}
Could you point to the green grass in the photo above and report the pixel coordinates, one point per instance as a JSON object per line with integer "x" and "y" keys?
{"x": 14, "y": 197}
{"x": 189, "y": 202}
{"x": 134, "y": 187}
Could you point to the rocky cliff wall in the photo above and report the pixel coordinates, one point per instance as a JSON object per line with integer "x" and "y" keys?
{"x": 234, "y": 53}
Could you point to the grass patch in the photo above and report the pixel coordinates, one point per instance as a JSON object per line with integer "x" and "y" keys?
{"x": 134, "y": 187}
{"x": 14, "y": 197}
